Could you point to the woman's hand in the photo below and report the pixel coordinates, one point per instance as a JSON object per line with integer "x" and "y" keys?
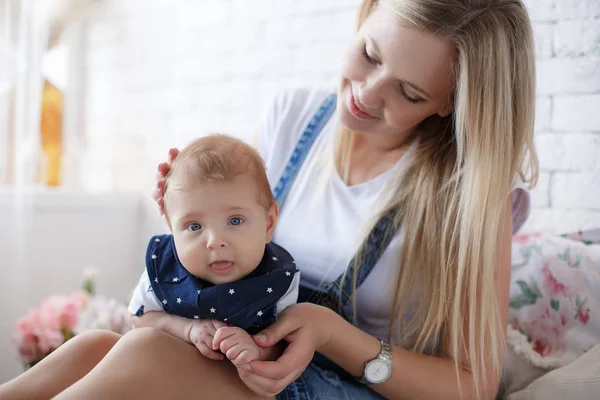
{"x": 163, "y": 170}
{"x": 305, "y": 327}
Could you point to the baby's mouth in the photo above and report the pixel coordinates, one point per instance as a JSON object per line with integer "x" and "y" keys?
{"x": 221, "y": 267}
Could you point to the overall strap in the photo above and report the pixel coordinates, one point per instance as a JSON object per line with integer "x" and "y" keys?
{"x": 307, "y": 139}
{"x": 340, "y": 291}
{"x": 337, "y": 294}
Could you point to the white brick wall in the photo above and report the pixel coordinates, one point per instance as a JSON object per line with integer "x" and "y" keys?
{"x": 160, "y": 72}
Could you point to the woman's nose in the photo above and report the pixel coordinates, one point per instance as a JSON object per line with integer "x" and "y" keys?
{"x": 370, "y": 93}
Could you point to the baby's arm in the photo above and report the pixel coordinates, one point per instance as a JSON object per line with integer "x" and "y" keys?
{"x": 198, "y": 332}
{"x": 238, "y": 346}
{"x": 147, "y": 311}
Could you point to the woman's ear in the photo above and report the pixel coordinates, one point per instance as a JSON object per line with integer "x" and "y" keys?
{"x": 272, "y": 216}
{"x": 447, "y": 110}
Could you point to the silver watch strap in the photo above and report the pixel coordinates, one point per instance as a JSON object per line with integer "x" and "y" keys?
{"x": 386, "y": 351}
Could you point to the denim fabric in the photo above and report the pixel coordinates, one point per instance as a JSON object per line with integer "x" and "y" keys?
{"x": 318, "y": 382}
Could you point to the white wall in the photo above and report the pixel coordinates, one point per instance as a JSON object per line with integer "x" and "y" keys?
{"x": 160, "y": 72}
{"x": 47, "y": 239}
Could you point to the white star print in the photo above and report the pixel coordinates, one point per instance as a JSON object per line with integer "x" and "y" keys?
{"x": 165, "y": 301}
{"x": 196, "y": 317}
{"x": 157, "y": 240}
{"x": 294, "y": 262}
{"x": 274, "y": 258}
{"x": 259, "y": 313}
{"x": 179, "y": 300}
{"x": 287, "y": 273}
{"x": 176, "y": 279}
{"x": 198, "y": 291}
{"x": 154, "y": 256}
{"x": 212, "y": 310}
{"x": 225, "y": 320}
{"x": 231, "y": 291}
{"x": 269, "y": 290}
{"x": 156, "y": 280}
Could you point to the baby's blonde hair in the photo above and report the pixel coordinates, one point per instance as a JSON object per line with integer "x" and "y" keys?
{"x": 219, "y": 158}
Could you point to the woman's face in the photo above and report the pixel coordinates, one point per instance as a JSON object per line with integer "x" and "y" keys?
{"x": 393, "y": 78}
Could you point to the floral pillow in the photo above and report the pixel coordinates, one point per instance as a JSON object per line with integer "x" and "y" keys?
{"x": 555, "y": 295}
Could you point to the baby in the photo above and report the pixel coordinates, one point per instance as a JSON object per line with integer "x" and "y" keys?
{"x": 219, "y": 263}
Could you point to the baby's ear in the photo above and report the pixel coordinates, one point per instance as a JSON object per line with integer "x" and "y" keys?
{"x": 272, "y": 216}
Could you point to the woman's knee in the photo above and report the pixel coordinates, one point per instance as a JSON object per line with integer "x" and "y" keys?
{"x": 145, "y": 337}
{"x": 96, "y": 338}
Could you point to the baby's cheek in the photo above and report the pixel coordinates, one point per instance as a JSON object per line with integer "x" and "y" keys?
{"x": 191, "y": 259}
{"x": 254, "y": 251}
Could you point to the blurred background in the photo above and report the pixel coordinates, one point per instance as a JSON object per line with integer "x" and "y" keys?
{"x": 93, "y": 93}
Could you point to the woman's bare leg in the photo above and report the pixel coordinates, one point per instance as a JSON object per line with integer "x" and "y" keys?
{"x": 65, "y": 366}
{"x": 150, "y": 364}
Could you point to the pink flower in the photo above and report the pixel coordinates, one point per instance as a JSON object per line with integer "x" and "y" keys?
{"x": 526, "y": 238}
{"x": 80, "y": 299}
{"x": 49, "y": 340}
{"x": 69, "y": 315}
{"x": 43, "y": 330}
{"x": 547, "y": 333}
{"x": 561, "y": 280}
{"x": 583, "y": 316}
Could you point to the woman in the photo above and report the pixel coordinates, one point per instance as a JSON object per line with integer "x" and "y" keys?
{"x": 434, "y": 122}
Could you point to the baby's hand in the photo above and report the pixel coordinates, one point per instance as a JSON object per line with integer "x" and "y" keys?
{"x": 236, "y": 344}
{"x": 201, "y": 335}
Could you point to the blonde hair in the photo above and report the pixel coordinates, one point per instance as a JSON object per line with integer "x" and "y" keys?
{"x": 219, "y": 158}
{"x": 459, "y": 177}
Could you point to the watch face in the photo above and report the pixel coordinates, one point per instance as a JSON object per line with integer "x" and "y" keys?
{"x": 377, "y": 371}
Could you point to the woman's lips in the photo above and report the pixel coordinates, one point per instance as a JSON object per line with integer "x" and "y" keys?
{"x": 356, "y": 111}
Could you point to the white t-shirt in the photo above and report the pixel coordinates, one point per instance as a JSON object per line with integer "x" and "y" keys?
{"x": 322, "y": 220}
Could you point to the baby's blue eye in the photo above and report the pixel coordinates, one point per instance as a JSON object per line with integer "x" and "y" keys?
{"x": 194, "y": 227}
{"x": 235, "y": 221}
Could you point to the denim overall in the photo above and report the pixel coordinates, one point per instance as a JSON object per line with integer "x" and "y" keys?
{"x": 323, "y": 379}
{"x": 337, "y": 294}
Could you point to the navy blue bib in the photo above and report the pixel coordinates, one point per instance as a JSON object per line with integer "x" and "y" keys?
{"x": 250, "y": 303}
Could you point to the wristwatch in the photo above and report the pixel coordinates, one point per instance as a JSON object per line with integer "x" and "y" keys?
{"x": 379, "y": 369}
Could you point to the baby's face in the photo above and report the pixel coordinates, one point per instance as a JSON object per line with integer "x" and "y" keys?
{"x": 220, "y": 228}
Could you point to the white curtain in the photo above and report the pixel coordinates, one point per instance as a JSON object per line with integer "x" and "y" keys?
{"x": 23, "y": 42}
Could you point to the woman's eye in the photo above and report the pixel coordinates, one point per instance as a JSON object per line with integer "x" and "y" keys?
{"x": 407, "y": 97}
{"x": 235, "y": 221}
{"x": 194, "y": 227}
{"x": 367, "y": 57}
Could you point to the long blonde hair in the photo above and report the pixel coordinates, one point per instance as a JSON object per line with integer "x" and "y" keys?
{"x": 450, "y": 197}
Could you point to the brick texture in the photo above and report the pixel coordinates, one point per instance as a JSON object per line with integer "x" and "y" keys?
{"x": 158, "y": 73}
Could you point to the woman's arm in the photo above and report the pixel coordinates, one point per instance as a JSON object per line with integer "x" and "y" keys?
{"x": 308, "y": 327}
{"x": 418, "y": 376}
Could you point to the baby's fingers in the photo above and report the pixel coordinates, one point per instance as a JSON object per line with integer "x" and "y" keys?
{"x": 244, "y": 357}
{"x": 208, "y": 352}
{"x": 173, "y": 153}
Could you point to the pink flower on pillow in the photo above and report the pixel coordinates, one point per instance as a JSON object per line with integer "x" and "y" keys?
{"x": 583, "y": 315}
{"x": 562, "y": 280}
{"x": 546, "y": 333}
{"x": 526, "y": 238}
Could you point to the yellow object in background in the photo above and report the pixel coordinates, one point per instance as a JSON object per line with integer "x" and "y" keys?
{"x": 51, "y": 131}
